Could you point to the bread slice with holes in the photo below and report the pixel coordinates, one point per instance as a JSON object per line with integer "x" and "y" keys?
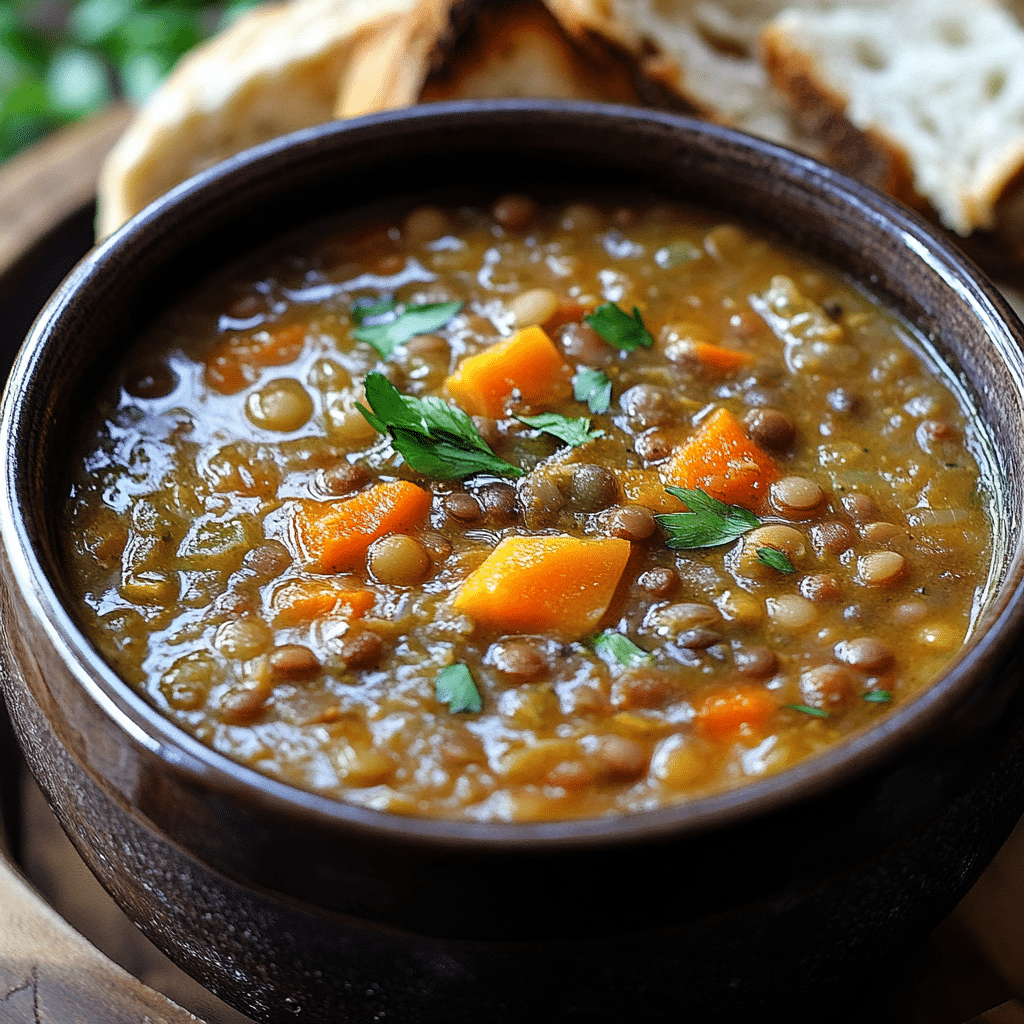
{"x": 924, "y": 98}
{"x": 701, "y": 53}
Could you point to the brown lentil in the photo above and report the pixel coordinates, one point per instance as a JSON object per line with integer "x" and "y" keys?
{"x": 463, "y": 507}
{"x": 398, "y": 559}
{"x": 660, "y": 581}
{"x": 344, "y": 478}
{"x": 631, "y": 522}
{"x": 361, "y": 650}
{"x": 514, "y": 212}
{"x": 865, "y": 652}
{"x": 293, "y": 661}
{"x": 770, "y": 429}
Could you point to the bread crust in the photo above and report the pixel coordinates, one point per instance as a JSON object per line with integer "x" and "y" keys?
{"x": 517, "y": 48}
{"x": 935, "y": 91}
{"x": 701, "y": 55}
{"x": 820, "y": 113}
{"x": 278, "y": 68}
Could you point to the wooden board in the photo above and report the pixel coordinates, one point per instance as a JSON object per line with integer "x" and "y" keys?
{"x": 971, "y": 968}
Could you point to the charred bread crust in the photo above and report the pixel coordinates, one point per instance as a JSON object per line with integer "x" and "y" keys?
{"x": 818, "y": 113}
{"x": 518, "y": 48}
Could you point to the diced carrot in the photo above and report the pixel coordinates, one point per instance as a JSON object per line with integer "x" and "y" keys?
{"x": 334, "y": 536}
{"x": 568, "y": 311}
{"x": 528, "y": 363}
{"x": 297, "y": 601}
{"x": 645, "y": 487}
{"x": 230, "y": 364}
{"x": 725, "y": 712}
{"x": 225, "y": 374}
{"x": 558, "y": 583}
{"x": 722, "y": 461}
{"x": 716, "y": 357}
{"x": 278, "y": 347}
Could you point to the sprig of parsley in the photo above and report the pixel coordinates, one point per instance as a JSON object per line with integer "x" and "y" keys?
{"x": 878, "y": 696}
{"x": 573, "y": 431}
{"x": 594, "y": 388}
{"x": 709, "y": 522}
{"x": 455, "y": 687}
{"x": 806, "y": 709}
{"x": 385, "y": 325}
{"x": 620, "y": 329}
{"x": 433, "y": 437}
{"x": 620, "y": 648}
{"x": 776, "y": 559}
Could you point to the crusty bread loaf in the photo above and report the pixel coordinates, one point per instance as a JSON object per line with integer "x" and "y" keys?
{"x": 704, "y": 52}
{"x": 940, "y": 125}
{"x": 517, "y": 48}
{"x": 934, "y": 89}
{"x": 939, "y": 122}
{"x": 278, "y": 68}
{"x": 291, "y": 65}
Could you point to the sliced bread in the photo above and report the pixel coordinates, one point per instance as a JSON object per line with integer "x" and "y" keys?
{"x": 278, "y": 68}
{"x": 702, "y": 51}
{"x": 922, "y": 97}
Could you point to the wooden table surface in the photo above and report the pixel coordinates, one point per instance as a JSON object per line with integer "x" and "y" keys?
{"x": 969, "y": 969}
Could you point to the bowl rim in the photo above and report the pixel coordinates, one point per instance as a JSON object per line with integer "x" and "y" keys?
{"x": 192, "y": 760}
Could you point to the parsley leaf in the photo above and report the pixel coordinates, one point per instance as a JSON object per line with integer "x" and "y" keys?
{"x": 594, "y": 388}
{"x": 454, "y": 686}
{"x": 776, "y": 559}
{"x": 709, "y": 522}
{"x": 619, "y": 328}
{"x": 573, "y": 432}
{"x": 805, "y": 709}
{"x": 620, "y": 648}
{"x": 878, "y": 696}
{"x": 367, "y": 308}
{"x": 390, "y": 326}
{"x": 434, "y": 438}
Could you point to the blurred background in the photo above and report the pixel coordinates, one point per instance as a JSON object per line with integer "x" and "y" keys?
{"x": 61, "y": 61}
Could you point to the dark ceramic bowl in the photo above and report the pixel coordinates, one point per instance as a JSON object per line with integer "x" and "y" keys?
{"x": 294, "y": 907}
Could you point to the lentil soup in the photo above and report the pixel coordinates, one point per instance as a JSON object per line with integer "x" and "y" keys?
{"x": 528, "y": 513}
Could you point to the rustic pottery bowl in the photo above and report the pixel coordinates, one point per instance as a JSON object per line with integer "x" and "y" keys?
{"x": 291, "y": 906}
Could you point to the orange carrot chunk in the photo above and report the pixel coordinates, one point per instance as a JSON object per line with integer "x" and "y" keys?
{"x": 716, "y": 357}
{"x": 530, "y": 584}
{"x": 296, "y": 602}
{"x": 722, "y": 461}
{"x": 726, "y": 712}
{"x": 528, "y": 363}
{"x": 333, "y": 536}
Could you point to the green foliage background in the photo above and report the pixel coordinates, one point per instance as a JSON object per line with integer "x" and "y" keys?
{"x": 60, "y": 61}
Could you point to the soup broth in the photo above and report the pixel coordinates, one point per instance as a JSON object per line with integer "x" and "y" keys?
{"x": 528, "y": 512}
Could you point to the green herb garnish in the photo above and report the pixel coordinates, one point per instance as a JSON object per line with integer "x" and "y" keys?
{"x": 878, "y": 696}
{"x": 776, "y": 559}
{"x": 573, "y": 432}
{"x": 806, "y": 709}
{"x": 367, "y": 308}
{"x": 594, "y": 388}
{"x": 620, "y": 329}
{"x": 709, "y": 522}
{"x": 620, "y": 648}
{"x": 392, "y": 325}
{"x": 455, "y": 687}
{"x": 434, "y": 438}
